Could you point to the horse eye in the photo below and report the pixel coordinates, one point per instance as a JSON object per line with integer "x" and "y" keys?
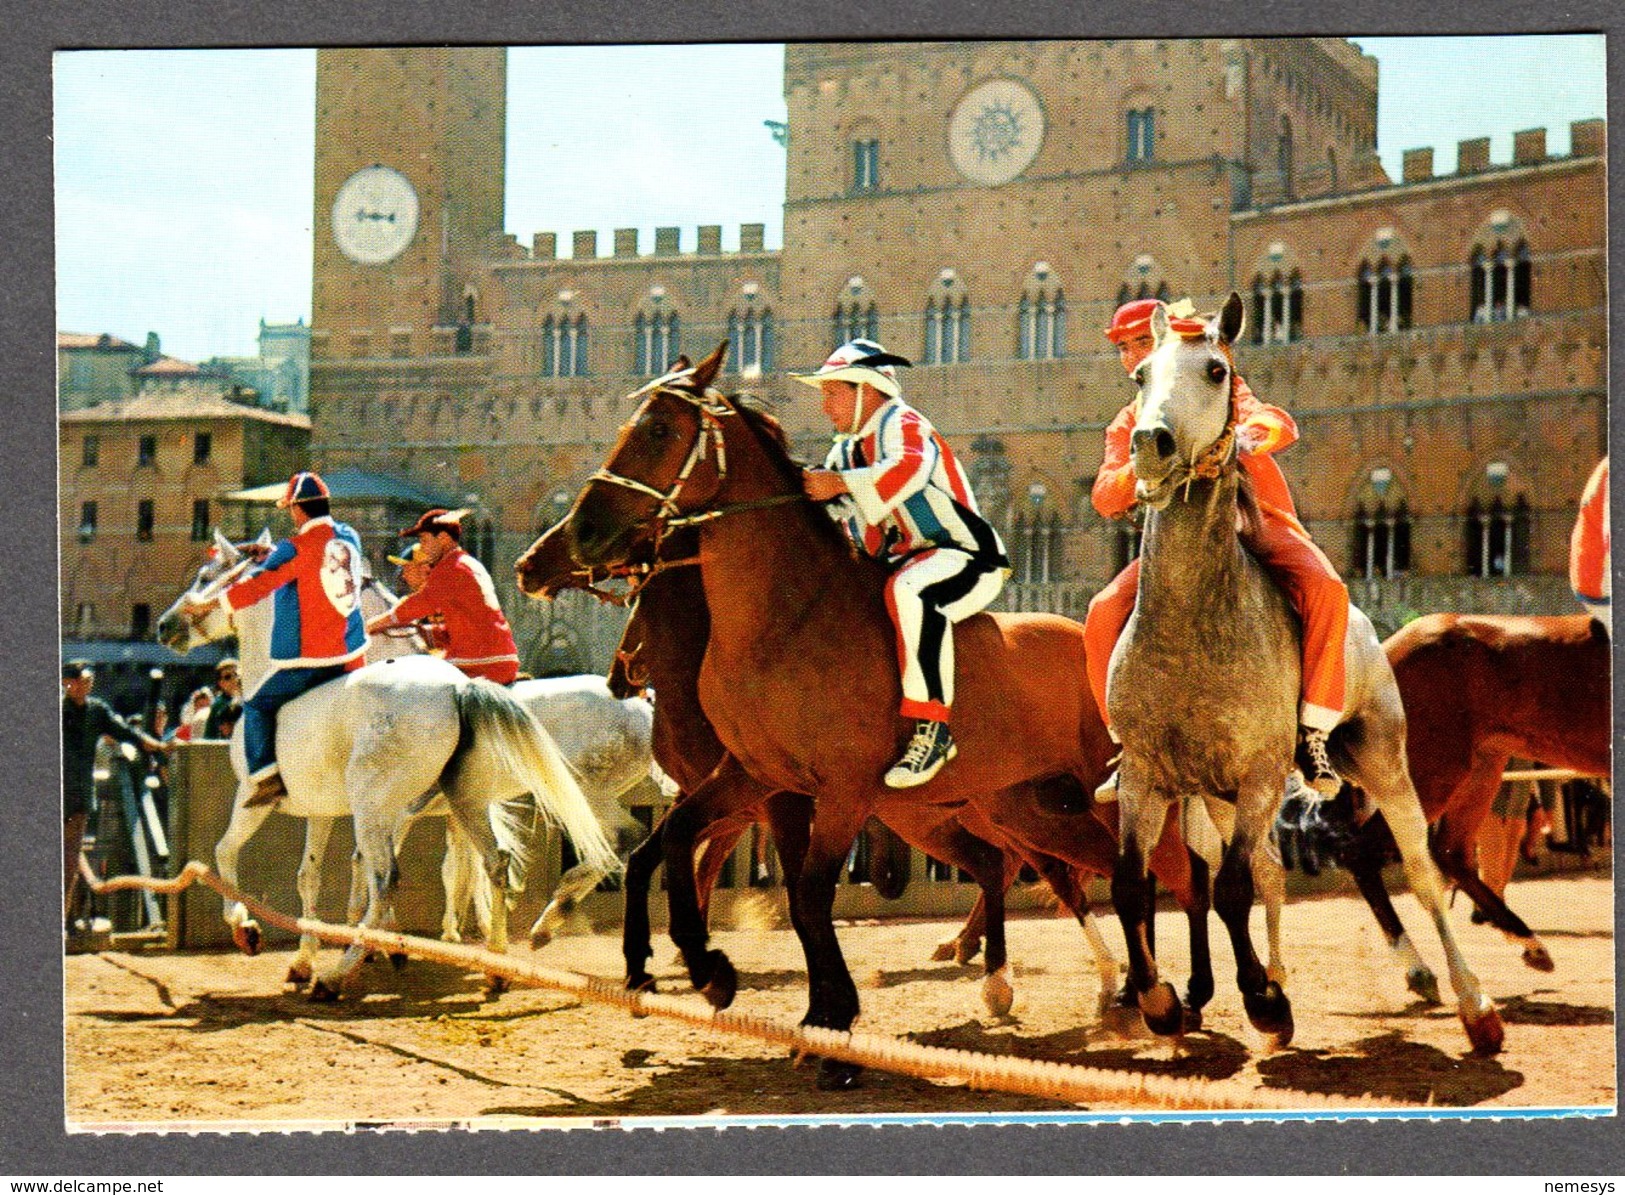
{"x": 1216, "y": 371}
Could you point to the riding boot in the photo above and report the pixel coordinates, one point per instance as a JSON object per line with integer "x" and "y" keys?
{"x": 1315, "y": 762}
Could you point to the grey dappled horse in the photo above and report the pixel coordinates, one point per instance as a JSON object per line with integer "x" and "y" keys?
{"x": 1205, "y": 681}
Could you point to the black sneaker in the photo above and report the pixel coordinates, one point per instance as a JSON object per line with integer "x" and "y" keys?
{"x": 930, "y": 748}
{"x": 1315, "y": 761}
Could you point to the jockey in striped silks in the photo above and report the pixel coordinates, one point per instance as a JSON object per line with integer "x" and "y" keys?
{"x": 895, "y": 486}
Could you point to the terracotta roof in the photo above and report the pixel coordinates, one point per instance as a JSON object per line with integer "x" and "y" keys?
{"x": 168, "y": 367}
{"x": 92, "y": 340}
{"x": 192, "y": 405}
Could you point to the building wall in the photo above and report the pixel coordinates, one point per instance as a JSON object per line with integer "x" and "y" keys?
{"x": 87, "y": 376}
{"x": 1434, "y": 404}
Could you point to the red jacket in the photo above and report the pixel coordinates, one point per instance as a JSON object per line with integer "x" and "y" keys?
{"x": 1262, "y": 429}
{"x": 316, "y": 579}
{"x": 1588, "y": 545}
{"x": 459, "y": 590}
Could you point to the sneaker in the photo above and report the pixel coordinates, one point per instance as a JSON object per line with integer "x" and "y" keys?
{"x": 268, "y": 791}
{"x": 1315, "y": 761}
{"x": 930, "y": 748}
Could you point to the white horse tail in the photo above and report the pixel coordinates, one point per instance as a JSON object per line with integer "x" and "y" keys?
{"x": 497, "y": 731}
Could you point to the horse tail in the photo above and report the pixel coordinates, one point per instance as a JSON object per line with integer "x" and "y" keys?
{"x": 491, "y": 719}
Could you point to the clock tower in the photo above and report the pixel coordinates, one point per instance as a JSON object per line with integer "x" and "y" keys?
{"x": 410, "y": 164}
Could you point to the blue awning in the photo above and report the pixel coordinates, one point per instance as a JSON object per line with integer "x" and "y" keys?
{"x": 107, "y": 652}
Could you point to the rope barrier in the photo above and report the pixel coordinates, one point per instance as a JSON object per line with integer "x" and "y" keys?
{"x": 1064, "y": 1082}
{"x": 1547, "y": 774}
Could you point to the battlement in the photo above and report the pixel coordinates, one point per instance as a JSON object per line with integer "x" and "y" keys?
{"x": 1587, "y": 139}
{"x": 544, "y": 246}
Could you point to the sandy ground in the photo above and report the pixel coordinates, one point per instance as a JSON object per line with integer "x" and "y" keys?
{"x": 157, "y": 1039}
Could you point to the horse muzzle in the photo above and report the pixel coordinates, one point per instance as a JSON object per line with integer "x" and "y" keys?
{"x": 172, "y": 632}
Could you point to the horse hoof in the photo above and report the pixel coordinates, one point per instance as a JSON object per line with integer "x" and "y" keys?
{"x": 1271, "y": 1014}
{"x": 719, "y": 992}
{"x": 247, "y": 938}
{"x": 322, "y": 992}
{"x": 1193, "y": 1019}
{"x": 838, "y": 1076}
{"x": 997, "y": 992}
{"x": 1126, "y": 996}
{"x": 1485, "y": 1031}
{"x": 964, "y": 952}
{"x": 495, "y": 985}
{"x": 452, "y": 937}
{"x": 1163, "y": 1013}
{"x": 640, "y": 983}
{"x": 1536, "y": 956}
{"x": 1425, "y": 984}
{"x": 298, "y": 975}
{"x": 539, "y": 937}
{"x": 946, "y": 951}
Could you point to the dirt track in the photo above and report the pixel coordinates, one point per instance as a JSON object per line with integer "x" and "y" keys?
{"x": 171, "y": 1040}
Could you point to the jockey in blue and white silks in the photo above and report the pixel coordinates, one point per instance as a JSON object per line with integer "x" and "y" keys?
{"x": 903, "y": 497}
{"x": 317, "y": 632}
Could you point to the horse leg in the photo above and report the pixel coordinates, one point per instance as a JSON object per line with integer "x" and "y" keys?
{"x": 317, "y": 832}
{"x": 967, "y": 943}
{"x": 985, "y": 862}
{"x": 1064, "y": 882}
{"x": 1143, "y": 815}
{"x": 375, "y": 852}
{"x": 458, "y": 876}
{"x": 1364, "y": 858}
{"x": 1186, "y": 873}
{"x": 717, "y": 841}
{"x": 727, "y": 789}
{"x": 1267, "y": 1006}
{"x": 245, "y": 931}
{"x": 1269, "y": 878}
{"x": 1409, "y": 826}
{"x": 832, "y": 997}
{"x": 636, "y": 948}
{"x": 1455, "y": 850}
{"x": 574, "y": 884}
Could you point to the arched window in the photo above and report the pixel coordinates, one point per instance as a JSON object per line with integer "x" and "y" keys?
{"x": 1142, "y": 134}
{"x": 1041, "y": 318}
{"x": 1382, "y": 541}
{"x": 655, "y": 340}
{"x": 564, "y": 346}
{"x": 751, "y": 333}
{"x": 947, "y": 322}
{"x": 1277, "y": 308}
{"x": 1497, "y": 539}
{"x": 1385, "y": 295}
{"x": 1501, "y": 286}
{"x": 855, "y": 320}
{"x": 1037, "y": 548}
{"x": 866, "y": 164}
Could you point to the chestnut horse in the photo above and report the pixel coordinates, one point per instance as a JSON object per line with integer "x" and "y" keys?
{"x": 663, "y": 647}
{"x": 799, "y": 679}
{"x": 1480, "y": 689}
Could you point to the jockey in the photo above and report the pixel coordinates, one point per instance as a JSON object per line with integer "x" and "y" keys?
{"x": 905, "y": 500}
{"x": 1281, "y": 545}
{"x": 414, "y": 566}
{"x": 314, "y": 582}
{"x": 1589, "y": 563}
{"x": 458, "y": 590}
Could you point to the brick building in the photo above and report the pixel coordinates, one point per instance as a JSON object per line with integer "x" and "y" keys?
{"x": 982, "y": 208}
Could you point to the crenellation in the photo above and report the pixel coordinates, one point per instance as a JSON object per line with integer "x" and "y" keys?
{"x": 1528, "y": 147}
{"x": 1418, "y": 165}
{"x": 626, "y": 242}
{"x": 1473, "y": 155}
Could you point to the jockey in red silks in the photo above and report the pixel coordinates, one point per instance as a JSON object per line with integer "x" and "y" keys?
{"x": 314, "y": 582}
{"x": 904, "y": 499}
{"x": 1589, "y": 563}
{"x": 1280, "y": 544}
{"x": 459, "y": 591}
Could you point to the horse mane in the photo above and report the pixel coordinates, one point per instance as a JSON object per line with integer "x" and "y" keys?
{"x": 1252, "y": 518}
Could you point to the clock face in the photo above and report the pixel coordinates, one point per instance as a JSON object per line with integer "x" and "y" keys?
{"x": 375, "y": 215}
{"x": 995, "y": 132}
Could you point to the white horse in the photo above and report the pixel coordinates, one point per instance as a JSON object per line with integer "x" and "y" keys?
{"x": 607, "y": 742}
{"x": 378, "y": 744}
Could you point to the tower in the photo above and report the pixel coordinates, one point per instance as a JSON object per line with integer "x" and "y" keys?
{"x": 410, "y": 165}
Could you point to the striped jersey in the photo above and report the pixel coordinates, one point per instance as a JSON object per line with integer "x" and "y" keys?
{"x": 909, "y": 492}
{"x": 1588, "y": 545}
{"x": 314, "y": 582}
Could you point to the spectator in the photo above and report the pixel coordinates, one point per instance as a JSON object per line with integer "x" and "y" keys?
{"x": 227, "y": 706}
{"x": 85, "y": 719}
{"x": 194, "y": 715}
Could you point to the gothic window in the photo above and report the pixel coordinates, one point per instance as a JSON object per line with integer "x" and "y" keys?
{"x": 655, "y": 343}
{"x": 750, "y": 332}
{"x": 1501, "y": 284}
{"x": 1142, "y": 135}
{"x": 854, "y": 321}
{"x": 1497, "y": 539}
{"x": 1037, "y": 549}
{"x": 1385, "y": 295}
{"x": 1277, "y": 315}
{"x": 865, "y": 164}
{"x": 947, "y": 330}
{"x": 564, "y": 346}
{"x": 1041, "y": 325}
{"x": 1382, "y": 541}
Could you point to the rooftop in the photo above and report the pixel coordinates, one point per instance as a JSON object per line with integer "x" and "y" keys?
{"x": 93, "y": 340}
{"x": 185, "y": 405}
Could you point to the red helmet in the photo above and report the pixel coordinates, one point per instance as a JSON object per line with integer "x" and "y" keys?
{"x": 1132, "y": 319}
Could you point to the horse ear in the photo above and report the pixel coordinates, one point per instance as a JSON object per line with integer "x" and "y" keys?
{"x": 1159, "y": 323}
{"x": 224, "y": 549}
{"x": 706, "y": 371}
{"x": 1232, "y": 318}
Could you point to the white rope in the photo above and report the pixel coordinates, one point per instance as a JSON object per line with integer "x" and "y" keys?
{"x": 981, "y": 1072}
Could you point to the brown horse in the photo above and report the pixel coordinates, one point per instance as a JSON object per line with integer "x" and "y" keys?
{"x": 799, "y": 678}
{"x": 663, "y": 647}
{"x": 1479, "y": 689}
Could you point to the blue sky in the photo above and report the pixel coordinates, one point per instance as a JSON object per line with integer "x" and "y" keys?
{"x": 184, "y": 177}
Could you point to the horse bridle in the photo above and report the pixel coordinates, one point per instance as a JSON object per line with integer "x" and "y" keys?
{"x": 194, "y": 622}
{"x": 668, "y": 514}
{"x": 1219, "y": 456}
